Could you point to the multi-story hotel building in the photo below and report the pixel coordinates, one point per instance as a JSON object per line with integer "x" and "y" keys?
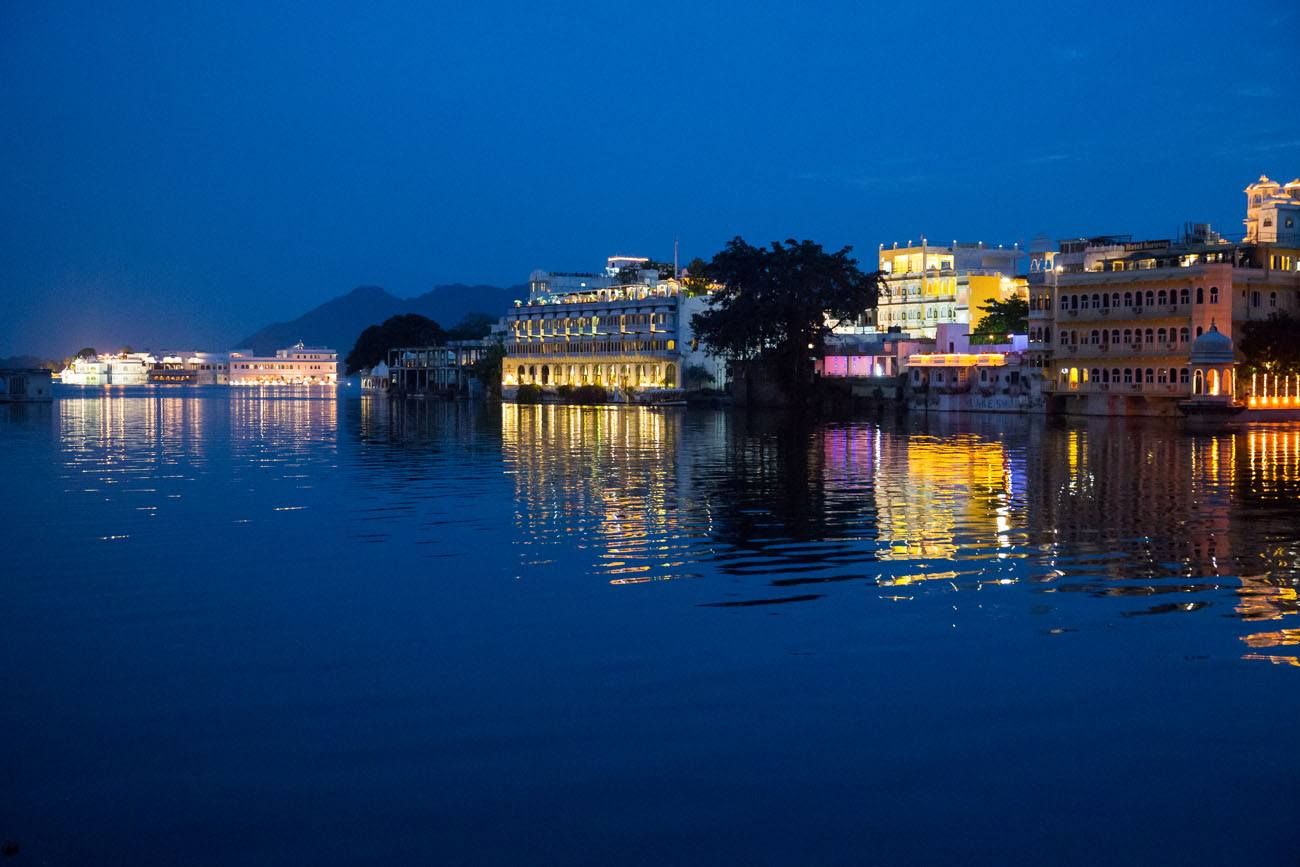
{"x": 297, "y": 365}
{"x": 1113, "y": 320}
{"x": 619, "y": 335}
{"x": 928, "y": 285}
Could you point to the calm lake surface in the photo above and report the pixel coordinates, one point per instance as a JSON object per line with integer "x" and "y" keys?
{"x": 245, "y": 627}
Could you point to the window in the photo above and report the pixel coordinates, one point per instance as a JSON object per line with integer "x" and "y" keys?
{"x": 1183, "y": 296}
{"x": 1162, "y": 298}
{"x": 1095, "y": 337}
{"x": 1254, "y": 299}
{"x": 1114, "y": 300}
{"x": 1214, "y": 294}
{"x": 1184, "y": 334}
{"x": 1200, "y": 294}
{"x": 1272, "y": 299}
{"x": 1151, "y": 298}
{"x": 1151, "y": 376}
{"x": 1128, "y": 375}
{"x": 1128, "y": 299}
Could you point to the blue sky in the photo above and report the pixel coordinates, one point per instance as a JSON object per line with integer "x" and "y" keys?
{"x": 180, "y": 174}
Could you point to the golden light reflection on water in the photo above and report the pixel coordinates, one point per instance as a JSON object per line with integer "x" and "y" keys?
{"x": 1146, "y": 515}
{"x": 609, "y": 473}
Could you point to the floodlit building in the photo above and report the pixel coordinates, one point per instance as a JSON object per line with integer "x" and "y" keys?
{"x": 122, "y": 369}
{"x": 1273, "y": 215}
{"x": 192, "y": 368}
{"x": 599, "y": 332}
{"x": 929, "y": 285}
{"x": 1114, "y": 321}
{"x": 297, "y": 365}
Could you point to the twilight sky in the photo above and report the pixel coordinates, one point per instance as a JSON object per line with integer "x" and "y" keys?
{"x": 178, "y": 174}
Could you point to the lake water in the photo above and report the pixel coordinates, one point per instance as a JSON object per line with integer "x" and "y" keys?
{"x": 252, "y": 628}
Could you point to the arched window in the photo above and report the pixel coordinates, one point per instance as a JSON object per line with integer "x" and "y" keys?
{"x": 1151, "y": 376}
{"x": 1065, "y": 338}
{"x": 1162, "y": 376}
{"x": 1162, "y": 298}
{"x": 1151, "y": 335}
{"x": 521, "y": 373}
{"x": 1074, "y": 338}
{"x": 1114, "y": 300}
{"x": 1065, "y": 302}
{"x": 1182, "y": 376}
{"x": 1162, "y": 336}
{"x": 1096, "y": 374}
{"x": 1198, "y": 382}
{"x": 1214, "y": 294}
{"x": 1128, "y": 299}
{"x": 1074, "y": 302}
{"x": 1214, "y": 381}
{"x": 1184, "y": 334}
{"x": 1272, "y": 299}
{"x": 1114, "y": 376}
{"x": 546, "y": 374}
{"x": 1095, "y": 337}
{"x": 1128, "y": 335}
{"x": 1097, "y": 300}
{"x": 1200, "y": 294}
{"x": 1114, "y": 336}
{"x": 1151, "y": 298}
{"x": 1183, "y": 296}
{"x": 1083, "y": 302}
{"x": 1128, "y": 375}
{"x": 1199, "y": 331}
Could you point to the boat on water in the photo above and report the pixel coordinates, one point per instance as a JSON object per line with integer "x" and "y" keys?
{"x": 25, "y": 385}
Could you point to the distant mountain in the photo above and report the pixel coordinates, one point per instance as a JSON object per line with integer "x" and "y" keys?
{"x": 337, "y": 322}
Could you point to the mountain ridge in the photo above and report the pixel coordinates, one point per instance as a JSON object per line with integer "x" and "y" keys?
{"x": 337, "y": 322}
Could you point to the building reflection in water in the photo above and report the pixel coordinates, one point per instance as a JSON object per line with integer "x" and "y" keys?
{"x": 613, "y": 477}
{"x": 1168, "y": 520}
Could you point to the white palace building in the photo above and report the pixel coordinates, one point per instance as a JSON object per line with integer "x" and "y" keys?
{"x": 608, "y": 330}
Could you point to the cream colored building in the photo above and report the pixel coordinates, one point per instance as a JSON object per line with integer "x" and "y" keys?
{"x": 634, "y": 336}
{"x": 297, "y": 365}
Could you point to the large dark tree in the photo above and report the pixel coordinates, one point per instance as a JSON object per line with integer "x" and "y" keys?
{"x": 1271, "y": 345}
{"x": 1002, "y": 318}
{"x": 405, "y": 329}
{"x": 776, "y": 304}
{"x": 473, "y": 327}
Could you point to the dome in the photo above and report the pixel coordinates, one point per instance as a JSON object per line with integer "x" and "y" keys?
{"x": 1212, "y": 347}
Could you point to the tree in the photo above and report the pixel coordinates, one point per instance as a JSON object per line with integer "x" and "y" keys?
{"x": 696, "y": 281}
{"x": 474, "y": 326}
{"x": 775, "y": 305}
{"x": 1270, "y": 345}
{"x": 405, "y": 329}
{"x": 88, "y": 352}
{"x": 487, "y": 369}
{"x": 1002, "y": 318}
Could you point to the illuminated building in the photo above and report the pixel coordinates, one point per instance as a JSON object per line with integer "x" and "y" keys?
{"x": 122, "y": 369}
{"x": 297, "y": 365}
{"x": 1273, "y": 217}
{"x": 196, "y": 368}
{"x": 926, "y": 285}
{"x": 1113, "y": 320}
{"x": 593, "y": 330}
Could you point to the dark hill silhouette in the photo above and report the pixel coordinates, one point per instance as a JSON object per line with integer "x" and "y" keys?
{"x": 337, "y": 322}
